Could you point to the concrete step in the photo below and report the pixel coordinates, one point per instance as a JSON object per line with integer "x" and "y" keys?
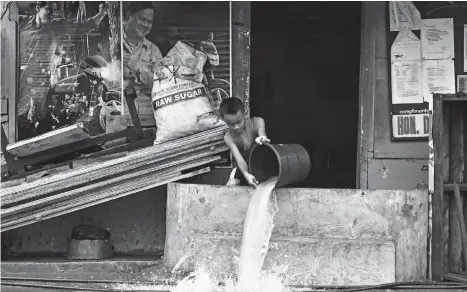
{"x": 330, "y": 261}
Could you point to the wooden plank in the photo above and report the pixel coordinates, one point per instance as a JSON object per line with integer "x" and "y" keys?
{"x": 241, "y": 29}
{"x": 437, "y": 249}
{"x": 367, "y": 89}
{"x": 455, "y": 278}
{"x": 139, "y": 184}
{"x": 67, "y": 135}
{"x": 460, "y": 217}
{"x": 445, "y": 226}
{"x": 446, "y": 119}
{"x": 449, "y": 187}
{"x": 4, "y": 106}
{"x": 456, "y": 161}
{"x": 116, "y": 180}
{"x": 452, "y": 98}
{"x": 135, "y": 159}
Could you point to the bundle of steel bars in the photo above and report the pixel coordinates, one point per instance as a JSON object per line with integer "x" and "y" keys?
{"x": 97, "y": 183}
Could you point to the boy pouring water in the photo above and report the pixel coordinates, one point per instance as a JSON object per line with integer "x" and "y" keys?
{"x": 242, "y": 134}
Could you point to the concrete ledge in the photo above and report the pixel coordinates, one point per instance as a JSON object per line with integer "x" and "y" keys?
{"x": 328, "y": 236}
{"x": 48, "y": 265}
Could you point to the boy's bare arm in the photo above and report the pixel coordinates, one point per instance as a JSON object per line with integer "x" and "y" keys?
{"x": 236, "y": 154}
{"x": 261, "y": 126}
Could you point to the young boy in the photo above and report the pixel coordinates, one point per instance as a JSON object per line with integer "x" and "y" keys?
{"x": 242, "y": 134}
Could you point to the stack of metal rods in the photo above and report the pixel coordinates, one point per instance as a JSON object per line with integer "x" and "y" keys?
{"x": 97, "y": 183}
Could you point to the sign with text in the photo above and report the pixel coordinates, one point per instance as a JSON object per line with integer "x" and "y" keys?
{"x": 410, "y": 121}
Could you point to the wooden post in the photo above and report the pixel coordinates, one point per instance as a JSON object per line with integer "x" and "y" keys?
{"x": 456, "y": 162}
{"x": 9, "y": 67}
{"x": 370, "y": 12}
{"x": 460, "y": 216}
{"x": 446, "y": 199}
{"x": 241, "y": 19}
{"x": 437, "y": 249}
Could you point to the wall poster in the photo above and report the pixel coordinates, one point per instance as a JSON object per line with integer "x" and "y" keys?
{"x": 420, "y": 68}
{"x": 437, "y": 37}
{"x": 408, "y": 110}
{"x": 438, "y": 77}
{"x": 69, "y": 64}
{"x": 402, "y": 15}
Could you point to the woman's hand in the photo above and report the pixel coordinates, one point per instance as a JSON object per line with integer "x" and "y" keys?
{"x": 251, "y": 180}
{"x": 262, "y": 139}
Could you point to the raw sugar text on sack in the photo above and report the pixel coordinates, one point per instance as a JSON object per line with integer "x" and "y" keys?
{"x": 177, "y": 97}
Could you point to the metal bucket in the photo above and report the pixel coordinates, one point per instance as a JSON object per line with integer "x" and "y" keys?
{"x": 290, "y": 162}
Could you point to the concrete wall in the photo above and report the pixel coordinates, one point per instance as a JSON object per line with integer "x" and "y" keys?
{"x": 392, "y": 165}
{"x": 320, "y": 237}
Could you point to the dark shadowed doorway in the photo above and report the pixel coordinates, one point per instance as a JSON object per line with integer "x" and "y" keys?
{"x": 305, "y": 59}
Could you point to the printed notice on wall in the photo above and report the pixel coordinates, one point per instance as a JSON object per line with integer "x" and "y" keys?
{"x": 406, "y": 47}
{"x": 438, "y": 77}
{"x": 406, "y": 78}
{"x": 462, "y": 83}
{"x": 411, "y": 123}
{"x": 465, "y": 47}
{"x": 404, "y": 14}
{"x": 437, "y": 38}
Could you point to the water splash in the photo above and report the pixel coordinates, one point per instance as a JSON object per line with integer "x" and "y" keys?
{"x": 257, "y": 232}
{"x": 202, "y": 281}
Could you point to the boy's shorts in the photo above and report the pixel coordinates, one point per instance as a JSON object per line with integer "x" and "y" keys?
{"x": 236, "y": 173}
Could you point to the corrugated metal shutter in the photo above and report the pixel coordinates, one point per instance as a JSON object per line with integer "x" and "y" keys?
{"x": 195, "y": 20}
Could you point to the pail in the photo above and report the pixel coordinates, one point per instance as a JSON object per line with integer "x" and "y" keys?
{"x": 290, "y": 162}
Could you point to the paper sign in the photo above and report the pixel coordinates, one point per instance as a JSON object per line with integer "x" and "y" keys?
{"x": 438, "y": 77}
{"x": 410, "y": 126}
{"x": 462, "y": 83}
{"x": 406, "y": 47}
{"x": 406, "y": 78}
{"x": 437, "y": 38}
{"x": 403, "y": 14}
{"x": 465, "y": 47}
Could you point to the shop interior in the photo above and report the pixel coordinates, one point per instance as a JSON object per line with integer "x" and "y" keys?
{"x": 305, "y": 63}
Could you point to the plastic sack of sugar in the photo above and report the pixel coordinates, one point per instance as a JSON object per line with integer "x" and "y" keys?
{"x": 181, "y": 105}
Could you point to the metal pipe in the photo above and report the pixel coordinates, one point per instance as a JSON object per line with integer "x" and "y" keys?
{"x": 401, "y": 285}
{"x": 94, "y": 281}
{"x": 71, "y": 288}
